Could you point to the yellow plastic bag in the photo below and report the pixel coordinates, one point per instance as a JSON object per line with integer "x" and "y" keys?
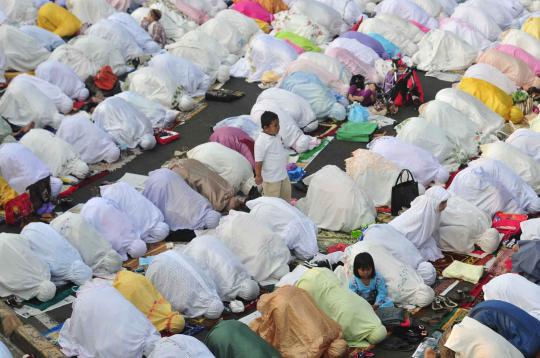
{"x": 138, "y": 290}
{"x": 492, "y": 96}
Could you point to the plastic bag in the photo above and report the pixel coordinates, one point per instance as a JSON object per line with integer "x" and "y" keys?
{"x": 357, "y": 113}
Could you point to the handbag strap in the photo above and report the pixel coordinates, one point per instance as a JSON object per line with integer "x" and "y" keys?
{"x": 399, "y": 179}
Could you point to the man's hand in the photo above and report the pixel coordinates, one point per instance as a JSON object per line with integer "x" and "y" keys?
{"x": 258, "y": 180}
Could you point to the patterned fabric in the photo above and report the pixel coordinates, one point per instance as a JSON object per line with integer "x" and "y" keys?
{"x": 375, "y": 293}
{"x": 156, "y": 31}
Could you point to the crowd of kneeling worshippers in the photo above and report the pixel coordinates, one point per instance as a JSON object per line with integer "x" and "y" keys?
{"x": 85, "y": 80}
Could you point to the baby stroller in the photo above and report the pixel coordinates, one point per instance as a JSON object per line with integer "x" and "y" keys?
{"x": 402, "y": 85}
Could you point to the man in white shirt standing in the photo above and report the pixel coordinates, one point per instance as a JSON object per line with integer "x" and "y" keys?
{"x": 271, "y": 160}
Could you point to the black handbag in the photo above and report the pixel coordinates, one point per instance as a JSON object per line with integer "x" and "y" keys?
{"x": 403, "y": 192}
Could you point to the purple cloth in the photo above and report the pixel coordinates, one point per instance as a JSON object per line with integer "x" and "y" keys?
{"x": 237, "y": 140}
{"x": 366, "y": 93}
{"x": 367, "y": 41}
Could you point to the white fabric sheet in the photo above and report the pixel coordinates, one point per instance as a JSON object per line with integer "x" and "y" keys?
{"x": 115, "y": 226}
{"x": 104, "y": 324}
{"x": 20, "y": 167}
{"x": 62, "y": 76}
{"x": 91, "y": 142}
{"x": 296, "y": 230}
{"x": 230, "y": 276}
{"x": 526, "y": 167}
{"x": 76, "y": 59}
{"x": 526, "y": 141}
{"x": 421, "y": 221}
{"x": 124, "y": 123}
{"x": 455, "y": 124}
{"x": 441, "y": 50}
{"x": 186, "y": 286}
{"x": 65, "y": 262}
{"x": 492, "y": 187}
{"x": 402, "y": 25}
{"x": 487, "y": 121}
{"x": 180, "y": 346}
{"x": 405, "y": 287}
{"x": 117, "y": 36}
{"x": 158, "y": 114}
{"x": 359, "y": 50}
{"x": 29, "y": 276}
{"x": 465, "y": 31}
{"x": 94, "y": 249}
{"x": 261, "y": 251}
{"x": 335, "y": 202}
{"x": 407, "y": 10}
{"x": 142, "y": 37}
{"x": 182, "y": 207}
{"x": 423, "y": 165}
{"x": 267, "y": 53}
{"x": 45, "y": 38}
{"x": 101, "y": 52}
{"x": 58, "y": 155}
{"x": 402, "y": 249}
{"x": 19, "y": 11}
{"x": 90, "y": 11}
{"x": 322, "y": 14}
{"x": 22, "y": 52}
{"x": 146, "y": 217}
{"x": 229, "y": 164}
{"x": 385, "y": 29}
{"x": 478, "y": 19}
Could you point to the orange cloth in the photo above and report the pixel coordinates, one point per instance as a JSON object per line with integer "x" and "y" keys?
{"x": 272, "y": 6}
{"x": 292, "y": 323}
{"x": 138, "y": 290}
{"x": 55, "y": 18}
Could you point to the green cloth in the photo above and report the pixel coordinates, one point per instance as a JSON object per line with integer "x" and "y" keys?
{"x": 233, "y": 339}
{"x": 299, "y": 41}
{"x": 303, "y": 157}
{"x": 59, "y": 296}
{"x": 519, "y": 96}
{"x": 356, "y": 132}
{"x": 360, "y": 324}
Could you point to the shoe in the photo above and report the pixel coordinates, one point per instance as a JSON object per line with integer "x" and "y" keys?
{"x": 448, "y": 302}
{"x": 437, "y": 304}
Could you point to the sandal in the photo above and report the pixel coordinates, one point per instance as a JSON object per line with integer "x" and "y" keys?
{"x": 436, "y": 305}
{"x": 448, "y": 302}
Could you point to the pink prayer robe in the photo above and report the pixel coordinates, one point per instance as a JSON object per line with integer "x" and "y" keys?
{"x": 237, "y": 140}
{"x": 254, "y": 10}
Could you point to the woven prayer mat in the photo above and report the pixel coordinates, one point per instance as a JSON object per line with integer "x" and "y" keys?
{"x": 456, "y": 316}
{"x": 126, "y": 156}
{"x": 326, "y": 238}
{"x": 153, "y": 250}
{"x": 304, "y": 159}
{"x": 184, "y": 117}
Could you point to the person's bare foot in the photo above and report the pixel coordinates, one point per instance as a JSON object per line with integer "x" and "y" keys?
{"x": 430, "y": 353}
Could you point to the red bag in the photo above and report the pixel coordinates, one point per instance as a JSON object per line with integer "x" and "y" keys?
{"x": 18, "y": 208}
{"x": 105, "y": 79}
{"x": 508, "y": 224}
{"x": 336, "y": 247}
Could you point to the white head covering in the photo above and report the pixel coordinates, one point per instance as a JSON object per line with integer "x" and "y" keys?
{"x": 180, "y": 346}
{"x": 159, "y": 115}
{"x": 117, "y": 36}
{"x": 182, "y": 206}
{"x": 4, "y": 351}
{"x": 64, "y": 77}
{"x": 335, "y": 202}
{"x": 63, "y": 259}
{"x": 223, "y": 267}
{"x": 104, "y": 324}
{"x": 461, "y": 226}
{"x": 60, "y": 156}
{"x": 296, "y": 230}
{"x": 63, "y": 103}
{"x": 91, "y": 142}
{"x": 515, "y": 289}
{"x": 423, "y": 165}
{"x": 91, "y": 11}
{"x": 420, "y": 222}
{"x": 95, "y": 250}
{"x": 142, "y": 37}
{"x": 20, "y": 167}
{"x": 262, "y": 252}
{"x": 405, "y": 286}
{"x": 187, "y": 287}
{"x": 229, "y": 164}
{"x": 146, "y": 217}
{"x": 47, "y": 39}
{"x": 23, "y": 53}
{"x": 402, "y": 249}
{"x": 29, "y": 275}
{"x": 527, "y": 141}
{"x": 124, "y": 123}
{"x": 115, "y": 226}
{"x": 23, "y": 103}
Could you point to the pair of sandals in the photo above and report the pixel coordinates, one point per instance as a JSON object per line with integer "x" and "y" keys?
{"x": 442, "y": 302}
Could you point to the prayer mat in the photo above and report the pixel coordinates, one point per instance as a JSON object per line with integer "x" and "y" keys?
{"x": 384, "y": 216}
{"x": 126, "y": 156}
{"x": 153, "y": 250}
{"x": 503, "y": 262}
{"x": 325, "y": 129}
{"x": 304, "y": 159}
{"x": 443, "y": 285}
{"x": 326, "y": 238}
{"x": 59, "y": 296}
{"x": 455, "y": 317}
{"x": 53, "y": 334}
{"x": 476, "y": 293}
{"x": 67, "y": 190}
{"x": 184, "y": 117}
